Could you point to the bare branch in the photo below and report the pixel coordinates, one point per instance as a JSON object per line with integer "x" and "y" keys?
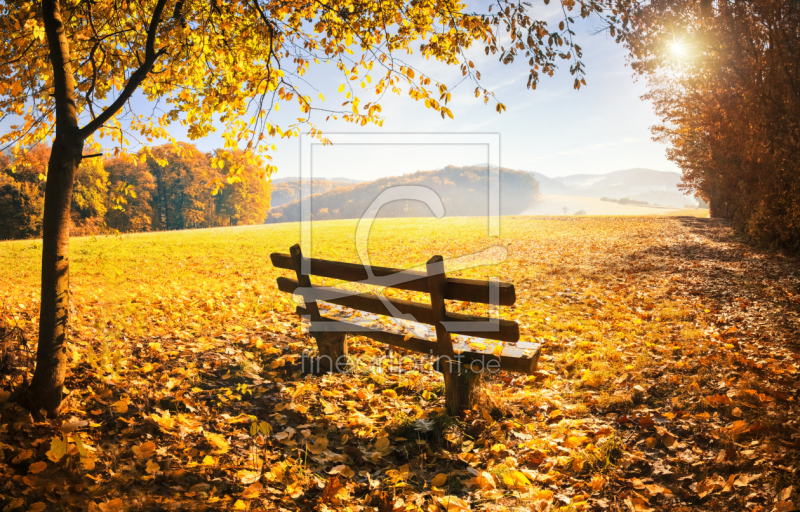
{"x": 138, "y": 76}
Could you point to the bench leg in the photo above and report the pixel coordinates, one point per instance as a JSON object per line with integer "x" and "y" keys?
{"x": 460, "y": 384}
{"x": 332, "y": 349}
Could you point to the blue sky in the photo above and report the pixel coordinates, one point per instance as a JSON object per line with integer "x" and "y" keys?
{"x": 554, "y": 129}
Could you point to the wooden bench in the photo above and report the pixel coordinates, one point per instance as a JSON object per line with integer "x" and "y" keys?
{"x": 460, "y": 364}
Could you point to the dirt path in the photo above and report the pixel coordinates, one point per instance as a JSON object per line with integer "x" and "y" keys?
{"x": 715, "y": 427}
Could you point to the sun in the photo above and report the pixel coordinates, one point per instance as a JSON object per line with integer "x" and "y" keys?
{"x": 678, "y": 49}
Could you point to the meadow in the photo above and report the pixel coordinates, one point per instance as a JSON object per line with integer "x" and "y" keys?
{"x": 667, "y": 378}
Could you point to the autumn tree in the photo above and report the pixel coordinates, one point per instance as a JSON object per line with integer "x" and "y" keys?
{"x": 22, "y": 196}
{"x": 89, "y": 197}
{"x": 725, "y": 80}
{"x": 129, "y": 202}
{"x": 183, "y": 176}
{"x": 245, "y": 199}
{"x": 20, "y": 212}
{"x": 70, "y": 67}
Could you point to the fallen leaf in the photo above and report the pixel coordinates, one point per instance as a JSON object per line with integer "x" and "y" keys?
{"x": 785, "y": 494}
{"x": 453, "y": 504}
{"x": 439, "y": 480}
{"x": 253, "y": 491}
{"x": 37, "y": 467}
{"x": 217, "y": 441}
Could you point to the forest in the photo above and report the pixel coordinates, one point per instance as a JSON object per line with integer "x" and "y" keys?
{"x": 727, "y": 88}
{"x": 167, "y": 188}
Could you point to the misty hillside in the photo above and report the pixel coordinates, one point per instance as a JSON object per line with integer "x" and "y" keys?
{"x": 654, "y": 187}
{"x": 295, "y": 179}
{"x": 462, "y": 190}
{"x": 286, "y": 190}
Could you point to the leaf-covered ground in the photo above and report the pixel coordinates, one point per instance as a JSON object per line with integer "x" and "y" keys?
{"x": 669, "y": 379}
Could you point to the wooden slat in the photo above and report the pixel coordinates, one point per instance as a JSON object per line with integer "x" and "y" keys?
{"x": 297, "y": 265}
{"x": 396, "y": 340}
{"x": 512, "y": 359}
{"x": 471, "y": 290}
{"x": 506, "y": 329}
{"x": 437, "y": 284}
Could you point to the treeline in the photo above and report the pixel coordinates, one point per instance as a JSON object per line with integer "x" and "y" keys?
{"x": 727, "y": 87}
{"x": 141, "y": 194}
{"x": 464, "y": 191}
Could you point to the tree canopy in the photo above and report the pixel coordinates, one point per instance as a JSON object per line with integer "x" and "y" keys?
{"x": 202, "y": 64}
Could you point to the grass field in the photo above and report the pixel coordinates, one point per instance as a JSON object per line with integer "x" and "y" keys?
{"x": 665, "y": 341}
{"x": 554, "y": 205}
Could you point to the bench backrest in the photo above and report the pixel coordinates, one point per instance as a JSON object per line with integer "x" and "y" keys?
{"x": 433, "y": 282}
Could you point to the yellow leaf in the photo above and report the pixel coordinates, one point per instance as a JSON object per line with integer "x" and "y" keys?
{"x": 439, "y": 480}
{"x": 58, "y": 448}
{"x": 453, "y": 504}
{"x": 341, "y": 88}
{"x": 208, "y": 460}
{"x": 498, "y": 448}
{"x": 164, "y": 421}
{"x": 15, "y": 503}
{"x": 37, "y": 467}
{"x": 239, "y": 505}
{"x": 515, "y": 479}
{"x": 217, "y": 441}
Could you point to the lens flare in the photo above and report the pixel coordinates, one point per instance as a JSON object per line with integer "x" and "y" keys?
{"x": 678, "y": 49}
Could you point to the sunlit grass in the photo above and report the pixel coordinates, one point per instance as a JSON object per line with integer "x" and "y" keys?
{"x": 573, "y": 278}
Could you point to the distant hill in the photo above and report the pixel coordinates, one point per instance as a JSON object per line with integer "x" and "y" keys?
{"x": 295, "y": 179}
{"x": 463, "y": 191}
{"x": 286, "y": 190}
{"x": 654, "y": 187}
{"x": 548, "y": 185}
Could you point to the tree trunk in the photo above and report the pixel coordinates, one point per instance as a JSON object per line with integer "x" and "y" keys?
{"x": 47, "y": 386}
{"x": 46, "y": 389}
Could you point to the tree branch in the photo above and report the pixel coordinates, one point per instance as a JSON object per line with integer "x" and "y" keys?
{"x": 63, "y": 81}
{"x": 138, "y": 76}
